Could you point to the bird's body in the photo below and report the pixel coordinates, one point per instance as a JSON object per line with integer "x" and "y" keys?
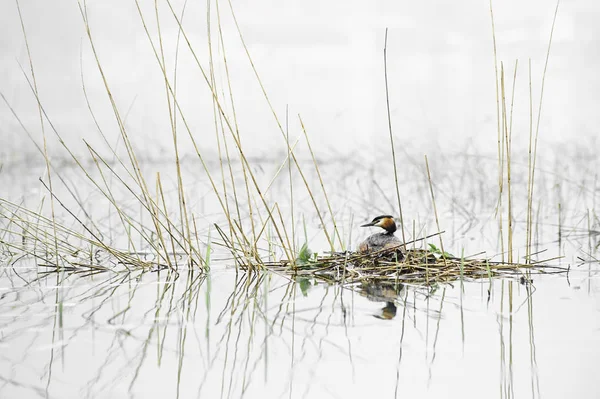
{"x": 380, "y": 241}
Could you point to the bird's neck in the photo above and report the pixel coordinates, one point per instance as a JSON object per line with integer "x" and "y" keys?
{"x": 389, "y": 226}
{"x": 390, "y": 229}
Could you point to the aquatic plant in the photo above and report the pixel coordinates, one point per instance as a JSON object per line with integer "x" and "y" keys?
{"x": 249, "y": 218}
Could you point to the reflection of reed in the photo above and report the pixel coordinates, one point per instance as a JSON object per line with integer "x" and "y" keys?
{"x": 535, "y": 382}
{"x": 110, "y": 286}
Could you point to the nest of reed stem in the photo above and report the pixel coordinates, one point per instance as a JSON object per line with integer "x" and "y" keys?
{"x": 411, "y": 266}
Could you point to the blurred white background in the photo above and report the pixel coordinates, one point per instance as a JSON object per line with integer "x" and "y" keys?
{"x": 324, "y": 60}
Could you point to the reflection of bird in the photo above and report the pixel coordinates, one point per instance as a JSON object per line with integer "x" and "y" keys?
{"x": 380, "y": 241}
{"x": 388, "y": 312}
{"x": 382, "y": 291}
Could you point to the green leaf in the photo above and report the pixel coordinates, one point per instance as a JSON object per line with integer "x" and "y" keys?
{"x": 434, "y": 287}
{"x": 304, "y": 255}
{"x": 439, "y": 252}
{"x": 304, "y": 285}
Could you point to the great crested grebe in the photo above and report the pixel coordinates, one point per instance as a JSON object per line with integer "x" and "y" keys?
{"x": 380, "y": 241}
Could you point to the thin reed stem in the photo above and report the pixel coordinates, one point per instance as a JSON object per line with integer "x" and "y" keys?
{"x": 437, "y": 221}
{"x": 387, "y": 100}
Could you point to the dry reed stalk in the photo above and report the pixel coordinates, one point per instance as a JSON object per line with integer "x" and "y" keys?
{"x": 437, "y": 221}
{"x": 183, "y": 213}
{"x": 500, "y": 147}
{"x": 279, "y": 125}
{"x": 506, "y": 151}
{"x": 222, "y": 201}
{"x": 315, "y": 163}
{"x": 39, "y": 107}
{"x": 389, "y": 116}
{"x": 537, "y": 128}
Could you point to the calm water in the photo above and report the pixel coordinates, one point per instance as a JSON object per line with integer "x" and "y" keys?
{"x": 232, "y": 334}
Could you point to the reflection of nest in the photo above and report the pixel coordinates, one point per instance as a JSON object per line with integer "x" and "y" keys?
{"x": 380, "y": 291}
{"x": 415, "y": 266}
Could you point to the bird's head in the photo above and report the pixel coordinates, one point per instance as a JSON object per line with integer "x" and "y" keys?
{"x": 386, "y": 222}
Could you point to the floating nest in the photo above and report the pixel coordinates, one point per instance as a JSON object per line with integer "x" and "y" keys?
{"x": 413, "y": 266}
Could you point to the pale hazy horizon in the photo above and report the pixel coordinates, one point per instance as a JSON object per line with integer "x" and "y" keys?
{"x": 325, "y": 62}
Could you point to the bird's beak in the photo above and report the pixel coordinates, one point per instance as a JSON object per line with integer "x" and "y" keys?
{"x": 368, "y": 224}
